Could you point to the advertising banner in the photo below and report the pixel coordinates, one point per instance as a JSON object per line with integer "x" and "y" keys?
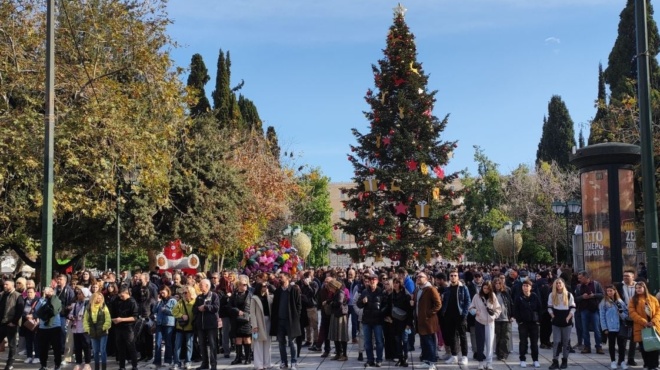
{"x": 627, "y": 211}
{"x": 596, "y": 225}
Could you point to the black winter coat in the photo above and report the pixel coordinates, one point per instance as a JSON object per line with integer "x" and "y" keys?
{"x": 295, "y": 308}
{"x": 239, "y": 302}
{"x": 207, "y": 319}
{"x": 375, "y": 310}
{"x": 527, "y": 309}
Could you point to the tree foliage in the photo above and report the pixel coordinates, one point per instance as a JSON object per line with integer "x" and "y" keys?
{"x": 558, "y": 136}
{"x": 113, "y": 68}
{"x": 197, "y": 79}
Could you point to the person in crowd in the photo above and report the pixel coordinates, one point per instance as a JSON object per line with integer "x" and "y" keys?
{"x": 177, "y": 286}
{"x": 225, "y": 339}
{"x": 440, "y": 283}
{"x": 626, "y": 291}
{"x": 31, "y": 284}
{"x": 238, "y": 306}
{"x": 82, "y": 346}
{"x": 285, "y": 322}
{"x": 427, "y": 303}
{"x": 588, "y": 295}
{"x": 402, "y": 317}
{"x": 86, "y": 279}
{"x": 184, "y": 314}
{"x": 389, "y": 343}
{"x": 542, "y": 288}
{"x": 455, "y": 303}
{"x": 644, "y": 310}
{"x": 527, "y": 309}
{"x": 123, "y": 316}
{"x": 111, "y": 296}
{"x": 164, "y": 326}
{"x": 503, "y": 321}
{"x": 351, "y": 283}
{"x": 372, "y": 301}
{"x": 30, "y": 303}
{"x": 338, "y": 329}
{"x": 206, "y": 309}
{"x": 50, "y": 328}
{"x": 145, "y": 294}
{"x": 11, "y": 311}
{"x": 486, "y": 308}
{"x": 322, "y": 342}
{"x": 409, "y": 286}
{"x": 613, "y": 317}
{"x": 561, "y": 307}
{"x": 96, "y": 323}
{"x": 309, "y": 290}
{"x": 260, "y": 315}
{"x": 66, "y": 296}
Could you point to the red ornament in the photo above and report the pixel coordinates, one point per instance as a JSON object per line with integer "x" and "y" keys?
{"x": 366, "y": 194}
{"x": 363, "y": 251}
{"x": 350, "y": 158}
{"x": 398, "y": 81}
{"x": 382, "y": 186}
{"x": 387, "y": 139}
{"x": 401, "y": 208}
{"x": 412, "y": 165}
{"x": 455, "y": 145}
{"x": 439, "y": 172}
{"x": 381, "y": 221}
{"x": 369, "y": 92}
{"x": 336, "y": 227}
{"x": 391, "y": 131}
{"x": 371, "y": 170}
{"x": 352, "y": 148}
{"x": 446, "y": 217}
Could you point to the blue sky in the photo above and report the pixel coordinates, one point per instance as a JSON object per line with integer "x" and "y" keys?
{"x": 495, "y": 64}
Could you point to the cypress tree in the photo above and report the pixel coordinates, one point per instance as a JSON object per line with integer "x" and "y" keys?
{"x": 226, "y": 108}
{"x": 271, "y": 137}
{"x": 581, "y": 139}
{"x": 249, "y": 114}
{"x": 402, "y": 201}
{"x": 197, "y": 79}
{"x": 558, "y": 136}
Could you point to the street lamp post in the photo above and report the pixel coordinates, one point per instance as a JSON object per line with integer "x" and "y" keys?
{"x": 513, "y": 228}
{"x": 566, "y": 209}
{"x": 130, "y": 178}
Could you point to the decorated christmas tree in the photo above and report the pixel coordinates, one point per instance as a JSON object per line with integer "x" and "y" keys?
{"x": 403, "y": 201}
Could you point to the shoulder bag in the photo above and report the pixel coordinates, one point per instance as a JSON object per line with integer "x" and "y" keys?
{"x": 181, "y": 321}
{"x": 32, "y": 324}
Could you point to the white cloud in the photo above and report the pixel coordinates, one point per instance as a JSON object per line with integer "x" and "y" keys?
{"x": 552, "y": 40}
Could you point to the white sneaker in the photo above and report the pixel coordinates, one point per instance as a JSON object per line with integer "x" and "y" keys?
{"x": 431, "y": 366}
{"x": 28, "y": 360}
{"x": 489, "y": 366}
{"x": 523, "y": 364}
{"x": 613, "y": 365}
{"x": 22, "y": 353}
{"x": 464, "y": 361}
{"x": 451, "y": 360}
{"x": 481, "y": 366}
{"x": 624, "y": 365}
{"x": 293, "y": 366}
{"x": 536, "y": 364}
{"x": 188, "y": 366}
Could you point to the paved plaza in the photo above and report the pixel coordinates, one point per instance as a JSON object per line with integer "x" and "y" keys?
{"x": 313, "y": 360}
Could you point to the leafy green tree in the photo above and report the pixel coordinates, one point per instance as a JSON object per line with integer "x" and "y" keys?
{"x": 398, "y": 156}
{"x": 273, "y": 143}
{"x": 558, "y": 136}
{"x": 108, "y": 82}
{"x": 249, "y": 114}
{"x": 312, "y": 210}
{"x": 197, "y": 79}
{"x": 225, "y": 105}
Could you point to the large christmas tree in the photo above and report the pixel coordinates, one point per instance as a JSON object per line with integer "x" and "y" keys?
{"x": 403, "y": 201}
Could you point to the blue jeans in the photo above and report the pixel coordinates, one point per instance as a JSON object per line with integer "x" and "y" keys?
{"x": 593, "y": 317}
{"x": 429, "y": 345}
{"x": 373, "y": 330}
{"x": 180, "y": 336}
{"x": 282, "y": 338}
{"x": 164, "y": 333}
{"x": 98, "y": 349}
{"x": 355, "y": 326}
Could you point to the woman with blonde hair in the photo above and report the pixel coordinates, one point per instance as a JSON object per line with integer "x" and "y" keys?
{"x": 613, "y": 315}
{"x": 184, "y": 316}
{"x": 644, "y": 311}
{"x": 561, "y": 307}
{"x": 238, "y": 306}
{"x": 97, "y": 323}
{"x": 486, "y": 309}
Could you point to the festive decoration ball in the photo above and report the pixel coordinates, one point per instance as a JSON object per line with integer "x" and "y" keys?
{"x": 504, "y": 242}
{"x": 446, "y": 217}
{"x": 302, "y": 242}
{"x": 371, "y": 170}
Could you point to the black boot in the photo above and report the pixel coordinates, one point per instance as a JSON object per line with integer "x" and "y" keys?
{"x": 104, "y": 366}
{"x": 555, "y": 365}
{"x": 403, "y": 362}
{"x": 564, "y": 363}
{"x": 239, "y": 355}
{"x": 248, "y": 352}
{"x": 97, "y": 366}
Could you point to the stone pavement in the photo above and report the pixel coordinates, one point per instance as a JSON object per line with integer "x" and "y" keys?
{"x": 314, "y": 361}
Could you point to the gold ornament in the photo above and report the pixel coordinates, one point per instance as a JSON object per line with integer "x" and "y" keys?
{"x": 383, "y": 95}
{"x": 422, "y": 209}
{"x": 436, "y": 193}
{"x": 378, "y": 141}
{"x": 372, "y": 209}
{"x": 401, "y": 115}
{"x": 395, "y": 187}
{"x": 370, "y": 184}
{"x": 424, "y": 168}
{"x": 413, "y": 69}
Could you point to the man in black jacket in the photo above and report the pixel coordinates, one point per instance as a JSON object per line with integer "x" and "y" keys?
{"x": 308, "y": 290}
{"x": 285, "y": 318}
{"x": 372, "y": 302}
{"x": 145, "y": 294}
{"x": 124, "y": 316}
{"x": 11, "y": 309}
{"x": 206, "y": 309}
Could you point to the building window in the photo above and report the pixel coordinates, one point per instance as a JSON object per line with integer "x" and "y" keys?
{"x": 342, "y": 214}
{"x": 343, "y": 237}
{"x": 342, "y": 195}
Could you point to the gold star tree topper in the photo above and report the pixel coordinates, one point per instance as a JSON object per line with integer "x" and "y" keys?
{"x": 400, "y": 10}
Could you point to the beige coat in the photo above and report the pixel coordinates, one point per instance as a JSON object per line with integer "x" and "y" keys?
{"x": 257, "y": 319}
{"x": 482, "y": 316}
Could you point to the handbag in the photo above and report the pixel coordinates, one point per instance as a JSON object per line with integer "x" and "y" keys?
{"x": 650, "y": 339}
{"x": 33, "y": 324}
{"x": 181, "y": 321}
{"x": 245, "y": 318}
{"x": 399, "y": 313}
{"x": 625, "y": 329}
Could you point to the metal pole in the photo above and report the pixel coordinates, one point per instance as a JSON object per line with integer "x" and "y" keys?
{"x": 49, "y": 152}
{"x": 568, "y": 237}
{"x": 118, "y": 228}
{"x": 513, "y": 243}
{"x": 646, "y": 144}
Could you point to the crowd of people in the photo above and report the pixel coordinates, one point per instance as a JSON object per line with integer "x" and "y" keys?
{"x": 171, "y": 320}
